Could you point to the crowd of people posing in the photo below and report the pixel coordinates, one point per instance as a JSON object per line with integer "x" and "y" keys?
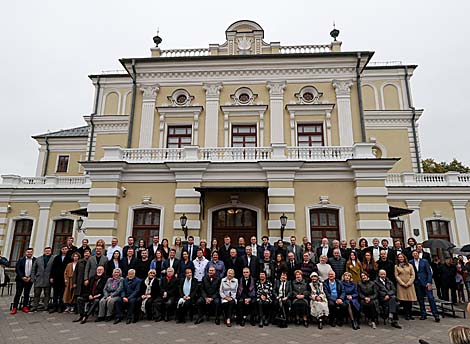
{"x": 255, "y": 283}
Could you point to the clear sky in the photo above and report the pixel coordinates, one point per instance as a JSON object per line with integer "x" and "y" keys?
{"x": 48, "y": 49}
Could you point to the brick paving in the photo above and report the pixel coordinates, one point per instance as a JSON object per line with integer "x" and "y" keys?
{"x": 42, "y": 327}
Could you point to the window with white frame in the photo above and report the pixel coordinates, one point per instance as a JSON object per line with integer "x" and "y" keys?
{"x": 62, "y": 163}
{"x": 310, "y": 134}
{"x": 179, "y": 136}
{"x": 244, "y": 135}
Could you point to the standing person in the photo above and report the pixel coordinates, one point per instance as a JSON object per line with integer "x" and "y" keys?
{"x": 280, "y": 249}
{"x": 354, "y": 267}
{"x": 405, "y": 277}
{"x": 191, "y": 248}
{"x": 251, "y": 261}
{"x": 411, "y": 247}
{"x": 391, "y": 255}
{"x": 157, "y": 264}
{"x": 386, "y": 264}
{"x": 311, "y": 252}
{"x": 142, "y": 266}
{"x": 279, "y": 266}
{"x": 398, "y": 248}
{"x": 292, "y": 266}
{"x": 113, "y": 248}
{"x": 84, "y": 247}
{"x": 228, "y": 293}
{"x": 344, "y": 248}
{"x": 324, "y": 249}
{"x": 3, "y": 264}
{"x": 224, "y": 251}
{"x": 296, "y": 249}
{"x": 264, "y": 298}
{"x": 375, "y": 249}
{"x": 368, "y": 295}
{"x": 206, "y": 252}
{"x": 99, "y": 259}
{"x": 59, "y": 264}
{"x": 448, "y": 275}
{"x": 266, "y": 245}
{"x": 423, "y": 285}
{"x": 363, "y": 248}
{"x": 24, "y": 283}
{"x": 388, "y": 297}
{"x": 71, "y": 248}
{"x": 91, "y": 295}
{"x": 351, "y": 300}
{"x": 423, "y": 254}
{"x": 218, "y": 265}
{"x": 267, "y": 265}
{"x": 241, "y": 247}
{"x": 200, "y": 264}
{"x": 255, "y": 248}
{"x": 307, "y": 267}
{"x": 337, "y": 263}
{"x": 41, "y": 277}
{"x": 153, "y": 247}
{"x": 164, "y": 248}
{"x": 318, "y": 302}
{"x": 141, "y": 246}
{"x": 352, "y": 248}
{"x": 466, "y": 271}
{"x": 114, "y": 263}
{"x": 102, "y": 244}
{"x": 178, "y": 247}
{"x": 130, "y": 244}
{"x": 214, "y": 245}
{"x": 436, "y": 268}
{"x": 78, "y": 280}
{"x": 459, "y": 281}
{"x": 185, "y": 263}
{"x": 235, "y": 262}
{"x": 128, "y": 261}
{"x": 69, "y": 289}
{"x": 300, "y": 297}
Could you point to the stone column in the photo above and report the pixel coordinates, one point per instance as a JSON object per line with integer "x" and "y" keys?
{"x": 415, "y": 219}
{"x": 460, "y": 213}
{"x": 41, "y": 228}
{"x": 212, "y": 114}
{"x": 276, "y": 105}
{"x": 343, "y": 100}
{"x": 148, "y": 114}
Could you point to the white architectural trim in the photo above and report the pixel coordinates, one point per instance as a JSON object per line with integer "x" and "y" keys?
{"x": 281, "y": 192}
{"x": 103, "y": 208}
{"x": 187, "y": 208}
{"x": 40, "y": 163}
{"x": 3, "y": 220}
{"x": 243, "y": 111}
{"x": 100, "y": 223}
{"x": 341, "y": 219}
{"x": 373, "y": 224}
{"x": 343, "y": 100}
{"x": 210, "y": 211}
{"x": 57, "y": 162}
{"x": 168, "y": 112}
{"x": 187, "y": 193}
{"x": 104, "y": 192}
{"x": 124, "y": 103}
{"x": 376, "y": 94}
{"x": 130, "y": 217}
{"x": 191, "y": 224}
{"x": 10, "y": 233}
{"x": 51, "y": 229}
{"x": 400, "y": 96}
{"x": 276, "y": 224}
{"x": 281, "y": 208}
{"x": 370, "y": 191}
{"x": 460, "y": 208}
{"x": 452, "y": 230}
{"x": 372, "y": 208}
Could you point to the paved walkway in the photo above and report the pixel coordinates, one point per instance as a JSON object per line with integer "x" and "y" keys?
{"x": 43, "y": 327}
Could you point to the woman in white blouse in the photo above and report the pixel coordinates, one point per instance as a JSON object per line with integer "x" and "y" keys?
{"x": 228, "y": 295}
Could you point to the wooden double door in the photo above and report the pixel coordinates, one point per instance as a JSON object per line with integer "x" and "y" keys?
{"x": 235, "y": 222}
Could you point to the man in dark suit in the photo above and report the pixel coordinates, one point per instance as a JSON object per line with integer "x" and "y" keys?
{"x": 391, "y": 254}
{"x": 84, "y": 247}
{"x": 191, "y": 248}
{"x": 170, "y": 293}
{"x": 154, "y": 246}
{"x": 282, "y": 290}
{"x": 224, "y": 250}
{"x": 266, "y": 265}
{"x": 291, "y": 266}
{"x": 128, "y": 261}
{"x": 423, "y": 254}
{"x": 57, "y": 279}
{"x": 324, "y": 250}
{"x": 23, "y": 281}
{"x": 375, "y": 249}
{"x": 423, "y": 285}
{"x": 130, "y": 298}
{"x": 130, "y": 244}
{"x": 210, "y": 296}
{"x": 188, "y": 289}
{"x": 71, "y": 247}
{"x": 408, "y": 251}
{"x": 296, "y": 249}
{"x": 250, "y": 261}
{"x": 352, "y": 248}
{"x": 388, "y": 297}
{"x": 171, "y": 262}
{"x": 235, "y": 262}
{"x": 448, "y": 275}
{"x": 246, "y": 297}
{"x": 266, "y": 246}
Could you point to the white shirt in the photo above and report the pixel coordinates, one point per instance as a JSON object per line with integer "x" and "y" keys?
{"x": 28, "y": 266}
{"x": 200, "y": 268}
{"x": 111, "y": 250}
{"x": 417, "y": 264}
{"x": 376, "y": 253}
{"x": 324, "y": 251}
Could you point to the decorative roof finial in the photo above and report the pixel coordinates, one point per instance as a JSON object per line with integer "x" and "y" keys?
{"x": 157, "y": 39}
{"x": 335, "y": 32}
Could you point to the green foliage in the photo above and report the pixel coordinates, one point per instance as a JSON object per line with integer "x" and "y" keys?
{"x": 431, "y": 166}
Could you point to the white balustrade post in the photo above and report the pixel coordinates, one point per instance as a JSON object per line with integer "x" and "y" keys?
{"x": 191, "y": 153}
{"x": 212, "y": 114}
{"x": 452, "y": 178}
{"x": 51, "y": 180}
{"x": 343, "y": 99}
{"x": 276, "y": 105}
{"x": 11, "y": 179}
{"x": 279, "y": 151}
{"x": 363, "y": 150}
{"x": 148, "y": 114}
{"x": 408, "y": 178}
{"x": 112, "y": 153}
{"x": 460, "y": 213}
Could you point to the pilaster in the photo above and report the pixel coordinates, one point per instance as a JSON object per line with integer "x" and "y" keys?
{"x": 41, "y": 228}
{"x": 276, "y": 105}
{"x": 415, "y": 219}
{"x": 343, "y": 98}
{"x": 212, "y": 114}
{"x": 148, "y": 115}
{"x": 460, "y": 213}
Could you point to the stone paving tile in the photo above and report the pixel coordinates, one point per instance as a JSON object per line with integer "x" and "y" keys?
{"x": 41, "y": 327}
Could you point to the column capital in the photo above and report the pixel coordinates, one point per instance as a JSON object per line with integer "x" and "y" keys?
{"x": 276, "y": 88}
{"x": 44, "y": 205}
{"x": 413, "y": 204}
{"x": 342, "y": 87}
{"x": 150, "y": 91}
{"x": 212, "y": 89}
{"x": 459, "y": 203}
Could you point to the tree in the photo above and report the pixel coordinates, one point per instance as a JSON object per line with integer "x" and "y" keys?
{"x": 431, "y": 166}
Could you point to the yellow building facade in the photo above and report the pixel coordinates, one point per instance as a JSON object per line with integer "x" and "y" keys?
{"x": 232, "y": 137}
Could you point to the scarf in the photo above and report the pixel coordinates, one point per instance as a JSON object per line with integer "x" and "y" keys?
{"x": 148, "y": 288}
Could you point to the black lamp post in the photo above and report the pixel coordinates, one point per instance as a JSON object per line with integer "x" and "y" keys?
{"x": 183, "y": 221}
{"x": 283, "y": 220}
{"x": 80, "y": 225}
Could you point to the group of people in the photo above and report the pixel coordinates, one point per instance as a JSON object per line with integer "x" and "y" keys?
{"x": 248, "y": 282}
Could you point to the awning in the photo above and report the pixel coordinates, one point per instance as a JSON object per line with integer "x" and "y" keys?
{"x": 395, "y": 212}
{"x": 80, "y": 212}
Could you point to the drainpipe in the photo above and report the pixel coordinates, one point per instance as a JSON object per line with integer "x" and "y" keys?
{"x": 134, "y": 94}
{"x": 359, "y": 96}
{"x": 46, "y": 162}
{"x": 92, "y": 132}
{"x": 413, "y": 118}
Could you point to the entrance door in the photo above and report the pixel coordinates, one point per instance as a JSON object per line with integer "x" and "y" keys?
{"x": 235, "y": 222}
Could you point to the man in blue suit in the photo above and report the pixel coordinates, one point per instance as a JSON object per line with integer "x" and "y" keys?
{"x": 423, "y": 285}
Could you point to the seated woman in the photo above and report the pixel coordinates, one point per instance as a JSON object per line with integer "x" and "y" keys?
{"x": 352, "y": 299}
{"x": 318, "y": 302}
{"x": 300, "y": 297}
{"x": 264, "y": 298}
{"x": 228, "y": 292}
{"x": 368, "y": 297}
{"x": 149, "y": 293}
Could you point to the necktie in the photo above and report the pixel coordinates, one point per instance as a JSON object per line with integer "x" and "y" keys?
{"x": 190, "y": 251}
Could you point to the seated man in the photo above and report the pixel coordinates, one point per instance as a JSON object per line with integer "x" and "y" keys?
{"x": 112, "y": 292}
{"x": 91, "y": 295}
{"x": 169, "y": 286}
{"x": 210, "y": 297}
{"x": 130, "y": 296}
{"x": 246, "y": 296}
{"x": 188, "y": 288}
{"x": 281, "y": 291}
{"x": 264, "y": 298}
{"x": 335, "y": 294}
{"x": 387, "y": 297}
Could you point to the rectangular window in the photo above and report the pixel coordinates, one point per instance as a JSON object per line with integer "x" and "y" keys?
{"x": 324, "y": 224}
{"x": 244, "y": 136}
{"x": 179, "y": 136}
{"x": 63, "y": 163}
{"x": 310, "y": 134}
{"x": 21, "y": 239}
